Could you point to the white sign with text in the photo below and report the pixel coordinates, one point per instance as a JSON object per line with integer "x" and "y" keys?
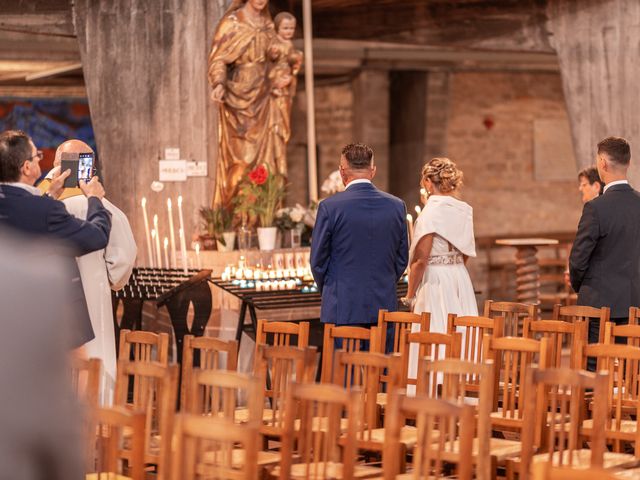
{"x": 173, "y": 170}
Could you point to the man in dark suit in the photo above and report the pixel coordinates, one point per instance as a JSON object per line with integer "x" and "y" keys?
{"x": 605, "y": 259}
{"x": 25, "y": 210}
{"x": 359, "y": 248}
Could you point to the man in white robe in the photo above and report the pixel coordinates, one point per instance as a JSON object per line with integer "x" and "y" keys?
{"x": 101, "y": 271}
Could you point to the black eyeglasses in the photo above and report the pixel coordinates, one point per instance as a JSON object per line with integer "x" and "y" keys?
{"x": 39, "y": 155}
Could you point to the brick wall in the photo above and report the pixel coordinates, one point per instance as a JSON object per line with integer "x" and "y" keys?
{"x": 498, "y": 162}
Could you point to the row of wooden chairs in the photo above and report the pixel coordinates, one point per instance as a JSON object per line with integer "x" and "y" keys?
{"x": 513, "y": 358}
{"x": 554, "y": 404}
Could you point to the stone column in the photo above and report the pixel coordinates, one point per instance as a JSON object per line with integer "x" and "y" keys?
{"x": 598, "y": 46}
{"x": 145, "y": 68}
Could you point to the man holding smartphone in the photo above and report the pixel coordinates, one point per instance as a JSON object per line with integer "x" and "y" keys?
{"x": 103, "y": 270}
{"x": 23, "y": 208}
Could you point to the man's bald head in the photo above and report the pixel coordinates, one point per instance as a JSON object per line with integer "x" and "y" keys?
{"x": 71, "y": 146}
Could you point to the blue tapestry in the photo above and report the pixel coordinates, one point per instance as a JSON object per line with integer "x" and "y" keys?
{"x": 49, "y": 122}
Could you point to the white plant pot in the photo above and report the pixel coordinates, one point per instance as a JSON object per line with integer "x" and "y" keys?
{"x": 229, "y": 240}
{"x": 267, "y": 238}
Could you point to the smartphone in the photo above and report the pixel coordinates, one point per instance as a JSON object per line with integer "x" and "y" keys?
{"x": 86, "y": 169}
{"x": 81, "y": 166}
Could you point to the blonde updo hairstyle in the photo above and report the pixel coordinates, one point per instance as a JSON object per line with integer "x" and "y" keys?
{"x": 443, "y": 173}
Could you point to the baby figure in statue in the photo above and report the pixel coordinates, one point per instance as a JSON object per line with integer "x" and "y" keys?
{"x": 285, "y": 62}
{"x": 286, "y": 59}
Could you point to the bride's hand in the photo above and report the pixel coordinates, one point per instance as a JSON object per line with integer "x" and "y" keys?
{"x": 408, "y": 302}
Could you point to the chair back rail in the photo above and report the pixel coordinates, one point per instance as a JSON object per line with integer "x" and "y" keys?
{"x": 444, "y": 430}
{"x": 554, "y": 415}
{"x": 142, "y": 346}
{"x": 206, "y": 353}
{"x": 512, "y": 313}
{"x": 401, "y": 322}
{"x": 354, "y": 339}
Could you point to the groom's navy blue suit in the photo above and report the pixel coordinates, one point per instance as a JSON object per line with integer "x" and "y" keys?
{"x": 359, "y": 251}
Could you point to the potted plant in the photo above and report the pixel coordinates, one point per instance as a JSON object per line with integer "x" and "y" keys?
{"x": 260, "y": 194}
{"x": 218, "y": 224}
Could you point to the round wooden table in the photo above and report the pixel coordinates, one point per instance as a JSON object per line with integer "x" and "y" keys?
{"x": 527, "y": 268}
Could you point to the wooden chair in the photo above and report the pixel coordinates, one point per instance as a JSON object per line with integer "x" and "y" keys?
{"x": 354, "y": 339}
{"x": 555, "y": 421}
{"x": 575, "y": 313}
{"x": 631, "y": 332}
{"x": 512, "y": 314}
{"x": 449, "y": 379}
{"x": 444, "y": 431}
{"x": 282, "y": 333}
{"x": 284, "y": 366}
{"x": 634, "y": 315}
{"x": 326, "y": 449}
{"x": 512, "y": 358}
{"x": 559, "y": 333}
{"x": 433, "y": 345}
{"x": 85, "y": 379}
{"x": 216, "y": 393}
{"x": 473, "y": 330}
{"x": 207, "y": 353}
{"x": 402, "y": 322}
{"x": 622, "y": 363}
{"x": 139, "y": 346}
{"x": 155, "y": 388}
{"x": 205, "y": 447}
{"x": 364, "y": 373}
{"x": 110, "y": 429}
{"x": 544, "y": 471}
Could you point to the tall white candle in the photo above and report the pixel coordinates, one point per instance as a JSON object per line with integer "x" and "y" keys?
{"x": 183, "y": 243}
{"x": 166, "y": 253}
{"x": 183, "y": 254}
{"x": 158, "y": 251}
{"x": 410, "y": 227}
{"x": 198, "y": 256}
{"x": 156, "y": 247}
{"x": 172, "y": 235}
{"x": 147, "y": 232}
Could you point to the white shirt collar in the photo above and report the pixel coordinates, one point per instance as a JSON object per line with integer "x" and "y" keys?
{"x": 29, "y": 188}
{"x": 617, "y": 182}
{"x": 355, "y": 182}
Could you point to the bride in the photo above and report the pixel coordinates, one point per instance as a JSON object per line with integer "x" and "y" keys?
{"x": 443, "y": 240}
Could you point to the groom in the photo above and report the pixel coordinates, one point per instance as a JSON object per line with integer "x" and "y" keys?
{"x": 359, "y": 247}
{"x": 605, "y": 258}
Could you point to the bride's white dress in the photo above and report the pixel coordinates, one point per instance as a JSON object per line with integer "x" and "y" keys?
{"x": 446, "y": 286}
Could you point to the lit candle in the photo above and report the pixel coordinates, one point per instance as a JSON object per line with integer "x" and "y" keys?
{"x": 172, "y": 234}
{"x": 158, "y": 251}
{"x": 147, "y": 232}
{"x": 418, "y": 210}
{"x": 198, "y": 255}
{"x": 166, "y": 251}
{"x": 183, "y": 254}
{"x": 183, "y": 243}
{"x": 410, "y": 227}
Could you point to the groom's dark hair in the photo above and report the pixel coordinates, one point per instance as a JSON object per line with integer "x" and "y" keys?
{"x": 617, "y": 149}
{"x": 359, "y": 156}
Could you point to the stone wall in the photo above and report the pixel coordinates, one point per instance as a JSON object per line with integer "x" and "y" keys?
{"x": 490, "y": 136}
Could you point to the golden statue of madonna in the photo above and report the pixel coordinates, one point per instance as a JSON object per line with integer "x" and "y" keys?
{"x": 252, "y": 70}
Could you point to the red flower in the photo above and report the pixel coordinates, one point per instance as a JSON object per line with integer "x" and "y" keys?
{"x": 259, "y": 175}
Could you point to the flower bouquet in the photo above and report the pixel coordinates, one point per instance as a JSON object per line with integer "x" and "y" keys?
{"x": 259, "y": 196}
